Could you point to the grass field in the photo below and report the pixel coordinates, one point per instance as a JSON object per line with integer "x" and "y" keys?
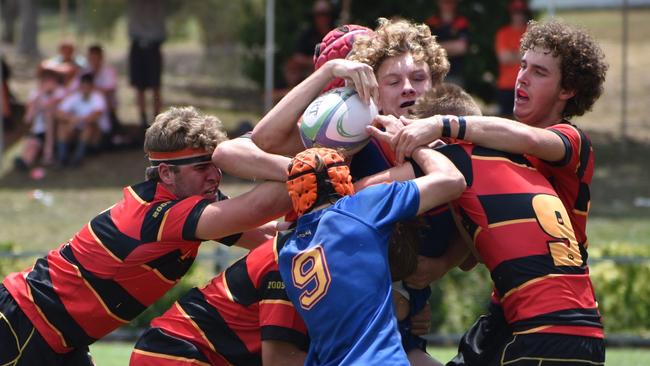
{"x": 117, "y": 354}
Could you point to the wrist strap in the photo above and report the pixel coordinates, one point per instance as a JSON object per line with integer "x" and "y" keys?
{"x": 446, "y": 127}
{"x": 462, "y": 127}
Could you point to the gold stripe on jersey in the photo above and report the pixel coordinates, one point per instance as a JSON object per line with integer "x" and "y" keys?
{"x": 498, "y": 158}
{"x": 158, "y": 274}
{"x": 528, "y": 283}
{"x": 533, "y": 330}
{"x": 169, "y": 357}
{"x": 40, "y": 312}
{"x": 275, "y": 248}
{"x": 226, "y": 288}
{"x": 98, "y": 241}
{"x": 579, "y": 212}
{"x": 136, "y": 197}
{"x": 278, "y": 301}
{"x": 196, "y": 326}
{"x": 478, "y": 230}
{"x": 99, "y": 298}
{"x": 511, "y": 222}
{"x": 162, "y": 226}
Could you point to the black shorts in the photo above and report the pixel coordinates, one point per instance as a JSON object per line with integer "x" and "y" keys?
{"x": 145, "y": 64}
{"x": 547, "y": 349}
{"x": 21, "y": 343}
{"x": 482, "y": 340}
{"x": 490, "y": 341}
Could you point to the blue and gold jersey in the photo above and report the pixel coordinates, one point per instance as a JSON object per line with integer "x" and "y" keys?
{"x": 335, "y": 268}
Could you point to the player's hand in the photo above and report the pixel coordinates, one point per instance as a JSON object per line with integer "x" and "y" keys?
{"x": 416, "y": 133}
{"x": 390, "y": 131}
{"x": 361, "y": 75}
{"x": 421, "y": 322}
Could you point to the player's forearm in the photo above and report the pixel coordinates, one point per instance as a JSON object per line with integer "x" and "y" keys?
{"x": 456, "y": 47}
{"x": 241, "y": 158}
{"x": 399, "y": 173}
{"x": 264, "y": 203}
{"x": 253, "y": 238}
{"x": 514, "y": 137}
{"x": 277, "y": 132}
{"x": 441, "y": 182}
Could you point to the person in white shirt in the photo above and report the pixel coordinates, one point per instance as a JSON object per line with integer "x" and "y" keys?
{"x": 106, "y": 83}
{"x": 41, "y": 105}
{"x": 80, "y": 114}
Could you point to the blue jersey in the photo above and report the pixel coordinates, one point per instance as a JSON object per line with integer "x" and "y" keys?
{"x": 435, "y": 237}
{"x": 335, "y": 269}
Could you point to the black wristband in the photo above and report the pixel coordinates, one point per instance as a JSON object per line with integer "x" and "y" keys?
{"x": 416, "y": 168}
{"x": 462, "y": 127}
{"x": 446, "y": 127}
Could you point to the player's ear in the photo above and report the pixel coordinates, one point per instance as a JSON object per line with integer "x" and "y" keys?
{"x": 165, "y": 173}
{"x": 566, "y": 94}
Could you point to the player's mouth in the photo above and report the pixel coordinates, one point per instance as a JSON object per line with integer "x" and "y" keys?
{"x": 521, "y": 96}
{"x": 210, "y": 193}
{"x": 407, "y": 104}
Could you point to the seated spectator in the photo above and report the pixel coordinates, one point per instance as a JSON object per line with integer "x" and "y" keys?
{"x": 80, "y": 118}
{"x": 452, "y": 32}
{"x": 506, "y": 46}
{"x": 105, "y": 82}
{"x": 41, "y": 106}
{"x": 66, "y": 63}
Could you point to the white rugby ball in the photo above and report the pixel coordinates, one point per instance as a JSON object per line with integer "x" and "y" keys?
{"x": 337, "y": 119}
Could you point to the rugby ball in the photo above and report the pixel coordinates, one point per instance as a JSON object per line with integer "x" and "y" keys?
{"x": 338, "y": 120}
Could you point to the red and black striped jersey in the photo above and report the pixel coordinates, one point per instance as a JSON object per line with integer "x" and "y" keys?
{"x": 122, "y": 261}
{"x": 524, "y": 236}
{"x": 242, "y": 306}
{"x": 571, "y": 177}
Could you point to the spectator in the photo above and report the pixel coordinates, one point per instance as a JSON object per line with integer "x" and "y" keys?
{"x": 301, "y": 63}
{"x": 452, "y": 33}
{"x": 506, "y": 46}
{"x": 67, "y": 64}
{"x": 41, "y": 106}
{"x": 147, "y": 33}
{"x": 80, "y": 114}
{"x": 105, "y": 82}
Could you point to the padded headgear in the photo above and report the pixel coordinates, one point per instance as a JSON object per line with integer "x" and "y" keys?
{"x": 337, "y": 44}
{"x": 317, "y": 176}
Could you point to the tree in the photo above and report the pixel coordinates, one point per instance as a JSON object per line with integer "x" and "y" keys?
{"x": 28, "y": 43}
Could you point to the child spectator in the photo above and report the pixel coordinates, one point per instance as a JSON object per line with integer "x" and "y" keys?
{"x": 41, "y": 105}
{"x": 81, "y": 114}
{"x": 105, "y": 82}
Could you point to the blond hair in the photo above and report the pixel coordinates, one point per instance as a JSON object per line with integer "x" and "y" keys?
{"x": 396, "y": 37}
{"x": 183, "y": 127}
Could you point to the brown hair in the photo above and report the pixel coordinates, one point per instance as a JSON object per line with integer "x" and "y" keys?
{"x": 183, "y": 127}
{"x": 445, "y": 99}
{"x": 582, "y": 61}
{"x": 396, "y": 37}
{"x": 403, "y": 247}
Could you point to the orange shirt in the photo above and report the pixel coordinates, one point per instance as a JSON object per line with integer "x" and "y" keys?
{"x": 507, "y": 39}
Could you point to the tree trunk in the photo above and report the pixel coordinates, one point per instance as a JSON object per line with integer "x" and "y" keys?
{"x": 9, "y": 10}
{"x": 28, "y": 44}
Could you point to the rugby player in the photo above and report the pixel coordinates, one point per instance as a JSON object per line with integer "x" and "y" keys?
{"x": 131, "y": 254}
{"x": 335, "y": 262}
{"x": 242, "y": 317}
{"x": 519, "y": 228}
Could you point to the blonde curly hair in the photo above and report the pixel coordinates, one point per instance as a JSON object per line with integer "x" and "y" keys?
{"x": 396, "y": 37}
{"x": 183, "y": 127}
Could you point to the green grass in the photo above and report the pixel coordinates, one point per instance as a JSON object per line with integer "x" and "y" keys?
{"x": 117, "y": 354}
